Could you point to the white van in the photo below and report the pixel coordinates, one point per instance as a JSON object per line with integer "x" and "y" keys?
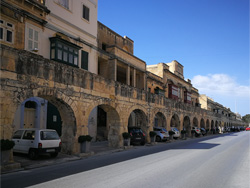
{"x": 37, "y": 141}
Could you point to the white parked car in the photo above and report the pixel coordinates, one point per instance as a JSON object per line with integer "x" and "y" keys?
{"x": 37, "y": 141}
{"x": 161, "y": 134}
{"x": 176, "y": 132}
{"x": 197, "y": 131}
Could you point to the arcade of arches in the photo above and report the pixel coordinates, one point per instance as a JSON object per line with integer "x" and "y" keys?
{"x": 76, "y": 102}
{"x": 105, "y": 121}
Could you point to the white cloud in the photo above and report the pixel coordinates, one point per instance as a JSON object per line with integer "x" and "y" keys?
{"x": 224, "y": 90}
{"x": 220, "y": 84}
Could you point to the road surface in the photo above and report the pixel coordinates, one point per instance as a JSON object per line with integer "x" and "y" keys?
{"x": 220, "y": 161}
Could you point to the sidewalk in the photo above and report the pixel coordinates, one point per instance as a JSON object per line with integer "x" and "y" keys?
{"x": 22, "y": 162}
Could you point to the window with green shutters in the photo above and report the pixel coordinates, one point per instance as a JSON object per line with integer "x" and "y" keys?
{"x": 64, "y": 51}
{"x": 85, "y": 60}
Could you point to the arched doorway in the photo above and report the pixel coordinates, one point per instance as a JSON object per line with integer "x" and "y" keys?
{"x": 54, "y": 120}
{"x": 30, "y": 117}
{"x": 67, "y": 124}
{"x": 175, "y": 121}
{"x": 216, "y": 127}
{"x": 186, "y": 125}
{"x": 38, "y": 111}
{"x": 159, "y": 120}
{"x": 138, "y": 118}
{"x": 104, "y": 124}
{"x": 207, "y": 125}
{"x": 32, "y": 113}
{"x": 202, "y": 124}
{"x": 195, "y": 122}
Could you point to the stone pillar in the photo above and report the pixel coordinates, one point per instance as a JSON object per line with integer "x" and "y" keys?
{"x": 145, "y": 82}
{"x": 128, "y": 75}
{"x": 112, "y": 69}
{"x": 181, "y": 123}
{"x": 168, "y": 123}
{"x": 134, "y": 78}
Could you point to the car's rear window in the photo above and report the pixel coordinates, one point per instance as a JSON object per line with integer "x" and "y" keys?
{"x": 136, "y": 131}
{"x": 49, "y": 135}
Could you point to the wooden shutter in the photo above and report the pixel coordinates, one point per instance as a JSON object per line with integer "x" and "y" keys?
{"x": 85, "y": 60}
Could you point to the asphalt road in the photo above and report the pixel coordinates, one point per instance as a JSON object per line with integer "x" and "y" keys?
{"x": 207, "y": 162}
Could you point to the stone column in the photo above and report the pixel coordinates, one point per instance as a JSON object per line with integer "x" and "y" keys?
{"x": 134, "y": 78}
{"x": 112, "y": 69}
{"x": 128, "y": 75}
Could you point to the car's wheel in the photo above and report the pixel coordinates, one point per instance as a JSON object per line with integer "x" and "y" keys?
{"x": 53, "y": 155}
{"x": 33, "y": 154}
{"x": 158, "y": 139}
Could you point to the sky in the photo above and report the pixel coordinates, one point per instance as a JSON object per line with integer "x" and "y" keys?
{"x": 210, "y": 38}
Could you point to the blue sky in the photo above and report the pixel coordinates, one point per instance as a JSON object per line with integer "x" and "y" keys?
{"x": 210, "y": 38}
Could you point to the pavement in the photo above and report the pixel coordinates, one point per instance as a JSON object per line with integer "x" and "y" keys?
{"x": 22, "y": 162}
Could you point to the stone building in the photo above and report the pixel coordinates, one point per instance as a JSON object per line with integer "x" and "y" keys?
{"x": 62, "y": 69}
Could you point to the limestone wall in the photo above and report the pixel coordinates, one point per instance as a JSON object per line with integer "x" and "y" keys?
{"x": 76, "y": 93}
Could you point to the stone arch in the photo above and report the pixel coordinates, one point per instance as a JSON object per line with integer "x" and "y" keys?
{"x": 67, "y": 109}
{"x": 175, "y": 121}
{"x": 138, "y": 118}
{"x": 160, "y": 120}
{"x": 104, "y": 122}
{"x": 69, "y": 126}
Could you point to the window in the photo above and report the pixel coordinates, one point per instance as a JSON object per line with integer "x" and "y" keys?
{"x": 85, "y": 60}
{"x": 18, "y": 134}
{"x": 104, "y": 46}
{"x": 64, "y": 3}
{"x": 173, "y": 91}
{"x": 85, "y": 13}
{"x": 6, "y": 31}
{"x": 64, "y": 51}
{"x": 187, "y": 97}
{"x": 49, "y": 135}
{"x": 29, "y": 135}
{"x": 32, "y": 39}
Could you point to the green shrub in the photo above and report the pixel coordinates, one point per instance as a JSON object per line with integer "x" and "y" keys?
{"x": 84, "y": 138}
{"x": 152, "y": 133}
{"x": 125, "y": 135}
{"x": 171, "y": 132}
{"x": 7, "y": 144}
